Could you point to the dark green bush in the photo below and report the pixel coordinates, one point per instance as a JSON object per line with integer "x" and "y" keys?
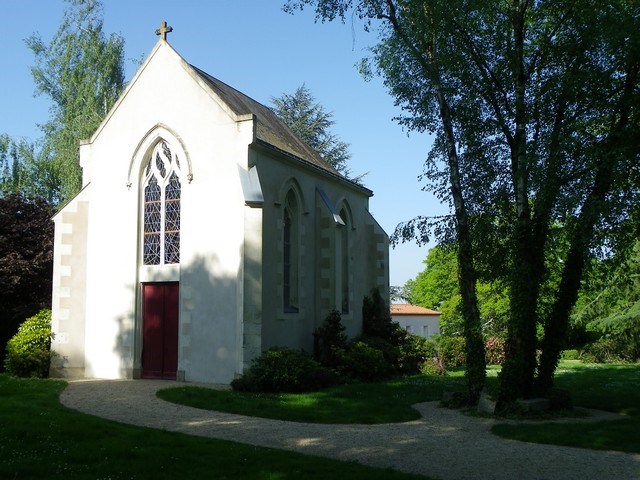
{"x": 415, "y": 352}
{"x": 390, "y": 352}
{"x": 619, "y": 337}
{"x": 360, "y": 361}
{"x": 604, "y": 350}
{"x": 281, "y": 369}
{"x": 28, "y": 352}
{"x": 328, "y": 339}
{"x": 451, "y": 350}
{"x": 376, "y": 320}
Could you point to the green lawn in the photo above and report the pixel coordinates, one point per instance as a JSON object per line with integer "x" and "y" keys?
{"x": 383, "y": 402}
{"x": 41, "y": 439}
{"x": 609, "y": 387}
{"x": 614, "y": 388}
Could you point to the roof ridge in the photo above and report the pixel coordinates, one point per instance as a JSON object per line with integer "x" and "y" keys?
{"x": 271, "y": 128}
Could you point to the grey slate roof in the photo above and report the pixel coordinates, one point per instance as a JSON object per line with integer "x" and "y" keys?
{"x": 270, "y": 129}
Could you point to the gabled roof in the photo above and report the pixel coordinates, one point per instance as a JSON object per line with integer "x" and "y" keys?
{"x": 270, "y": 128}
{"x": 408, "y": 309}
{"x": 271, "y": 131}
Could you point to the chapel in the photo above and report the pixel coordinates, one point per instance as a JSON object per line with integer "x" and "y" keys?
{"x": 205, "y": 233}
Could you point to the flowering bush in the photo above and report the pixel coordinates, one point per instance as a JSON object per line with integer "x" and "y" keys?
{"x": 494, "y": 351}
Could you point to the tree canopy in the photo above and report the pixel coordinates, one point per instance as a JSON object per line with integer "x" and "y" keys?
{"x": 535, "y": 110}
{"x": 81, "y": 70}
{"x": 26, "y": 260}
{"x": 309, "y": 120}
{"x": 437, "y": 287}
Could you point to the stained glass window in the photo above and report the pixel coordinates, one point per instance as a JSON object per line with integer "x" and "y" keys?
{"x": 161, "y": 225}
{"x": 290, "y": 254}
{"x": 343, "y": 269}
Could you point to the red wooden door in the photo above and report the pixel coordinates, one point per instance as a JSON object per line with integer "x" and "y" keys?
{"x": 160, "y": 304}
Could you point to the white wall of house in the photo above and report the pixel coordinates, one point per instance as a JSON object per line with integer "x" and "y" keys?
{"x": 423, "y": 325}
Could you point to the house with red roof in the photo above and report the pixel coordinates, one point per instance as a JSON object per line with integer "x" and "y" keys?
{"x": 417, "y": 320}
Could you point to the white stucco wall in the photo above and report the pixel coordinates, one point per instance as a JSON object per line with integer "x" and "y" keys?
{"x": 423, "y": 325}
{"x": 230, "y": 270}
{"x": 165, "y": 101}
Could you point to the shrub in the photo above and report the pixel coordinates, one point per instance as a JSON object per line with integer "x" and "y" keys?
{"x": 570, "y": 355}
{"x": 451, "y": 350}
{"x": 376, "y": 320}
{"x": 603, "y": 350}
{"x": 362, "y": 362}
{"x": 620, "y": 333}
{"x": 390, "y": 352}
{"x": 415, "y": 351}
{"x": 29, "y": 350}
{"x": 329, "y": 338}
{"x": 281, "y": 369}
{"x": 433, "y": 366}
{"x": 494, "y": 351}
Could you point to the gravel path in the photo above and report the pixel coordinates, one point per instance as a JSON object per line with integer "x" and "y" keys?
{"x": 443, "y": 444}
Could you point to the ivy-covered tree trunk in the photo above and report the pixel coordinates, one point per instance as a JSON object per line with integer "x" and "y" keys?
{"x": 594, "y": 207}
{"x": 425, "y": 54}
{"x": 516, "y": 377}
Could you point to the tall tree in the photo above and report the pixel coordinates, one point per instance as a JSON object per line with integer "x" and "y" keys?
{"x": 26, "y": 261}
{"x": 309, "y": 120}
{"x": 437, "y": 287}
{"x": 535, "y": 106}
{"x": 23, "y": 170}
{"x": 82, "y": 71}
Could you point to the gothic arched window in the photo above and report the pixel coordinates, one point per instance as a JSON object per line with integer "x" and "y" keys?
{"x": 161, "y": 243}
{"x": 290, "y": 257}
{"x": 342, "y": 263}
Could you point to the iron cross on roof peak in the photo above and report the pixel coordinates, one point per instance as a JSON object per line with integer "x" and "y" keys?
{"x": 163, "y": 30}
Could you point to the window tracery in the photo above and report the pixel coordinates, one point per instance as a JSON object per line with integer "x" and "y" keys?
{"x": 161, "y": 211}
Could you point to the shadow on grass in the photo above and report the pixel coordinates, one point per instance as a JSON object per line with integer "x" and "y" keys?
{"x": 41, "y": 439}
{"x": 609, "y": 387}
{"x": 361, "y": 403}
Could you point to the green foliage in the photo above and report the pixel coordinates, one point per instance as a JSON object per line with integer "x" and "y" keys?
{"x": 26, "y": 260}
{"x": 360, "y": 361}
{"x": 329, "y": 338}
{"x": 390, "y": 352}
{"x": 451, "y": 350}
{"x": 438, "y": 282}
{"x": 376, "y": 319}
{"x": 535, "y": 145}
{"x": 28, "y": 352}
{"x": 311, "y": 123}
{"x": 281, "y": 369}
{"x": 494, "y": 351}
{"x": 20, "y": 170}
{"x": 415, "y": 353}
{"x": 609, "y": 308}
{"x": 572, "y": 354}
{"x": 621, "y": 332}
{"x": 82, "y": 73}
{"x": 437, "y": 287}
{"x": 404, "y": 352}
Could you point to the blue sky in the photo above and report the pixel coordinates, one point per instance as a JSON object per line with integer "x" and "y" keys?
{"x": 258, "y": 49}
